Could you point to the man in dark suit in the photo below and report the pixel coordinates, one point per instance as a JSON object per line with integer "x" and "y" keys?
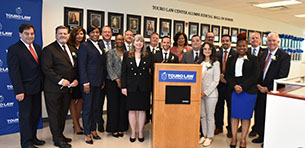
{"x": 192, "y": 56}
{"x": 257, "y": 51}
{"x": 224, "y": 52}
{"x": 154, "y": 44}
{"x": 275, "y": 66}
{"x": 59, "y": 68}
{"x": 128, "y": 40}
{"x": 23, "y": 60}
{"x": 164, "y": 55}
{"x": 106, "y": 44}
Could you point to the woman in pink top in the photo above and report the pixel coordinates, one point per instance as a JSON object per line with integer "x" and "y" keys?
{"x": 180, "y": 45}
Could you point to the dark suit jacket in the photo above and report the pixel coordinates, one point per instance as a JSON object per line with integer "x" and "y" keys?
{"x": 56, "y": 65}
{"x": 188, "y": 57}
{"x": 219, "y": 55}
{"x": 134, "y": 77}
{"x": 250, "y": 71}
{"x": 92, "y": 65}
{"x": 25, "y": 73}
{"x": 172, "y": 58}
{"x": 278, "y": 69}
{"x": 102, "y": 45}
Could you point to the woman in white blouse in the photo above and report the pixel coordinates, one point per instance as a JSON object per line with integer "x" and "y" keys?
{"x": 209, "y": 93}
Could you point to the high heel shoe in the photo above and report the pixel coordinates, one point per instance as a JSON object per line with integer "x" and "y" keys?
{"x": 78, "y": 133}
{"x": 96, "y": 136}
{"x": 89, "y": 141}
{"x": 121, "y": 134}
{"x": 232, "y": 146}
{"x": 241, "y": 144}
{"x": 141, "y": 139}
{"x": 132, "y": 139}
{"x": 115, "y": 135}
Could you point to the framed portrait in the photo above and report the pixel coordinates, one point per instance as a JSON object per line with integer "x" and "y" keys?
{"x": 115, "y": 21}
{"x": 193, "y": 29}
{"x": 225, "y": 30}
{"x": 216, "y": 31}
{"x": 150, "y": 26}
{"x": 134, "y": 23}
{"x": 205, "y": 28}
{"x": 96, "y": 18}
{"x": 249, "y": 34}
{"x": 165, "y": 27}
{"x": 178, "y": 26}
{"x": 264, "y": 38}
{"x": 73, "y": 17}
{"x": 243, "y": 30}
{"x": 234, "y": 32}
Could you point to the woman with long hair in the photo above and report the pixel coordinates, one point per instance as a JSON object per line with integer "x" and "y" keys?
{"x": 77, "y": 36}
{"x": 209, "y": 93}
{"x": 136, "y": 84}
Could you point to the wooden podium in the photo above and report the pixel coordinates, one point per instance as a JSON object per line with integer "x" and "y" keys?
{"x": 176, "y": 122}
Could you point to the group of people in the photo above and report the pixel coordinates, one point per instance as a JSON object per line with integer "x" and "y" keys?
{"x": 77, "y": 73}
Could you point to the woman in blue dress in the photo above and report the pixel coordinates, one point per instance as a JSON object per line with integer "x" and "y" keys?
{"x": 242, "y": 72}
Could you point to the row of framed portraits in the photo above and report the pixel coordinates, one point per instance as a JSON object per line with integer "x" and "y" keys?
{"x": 74, "y": 17}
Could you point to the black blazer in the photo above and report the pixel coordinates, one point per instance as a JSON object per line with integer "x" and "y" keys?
{"x": 102, "y": 45}
{"x": 25, "y": 73}
{"x": 134, "y": 77}
{"x": 56, "y": 65}
{"x": 250, "y": 71}
{"x": 172, "y": 58}
{"x": 278, "y": 69}
{"x": 92, "y": 65}
{"x": 219, "y": 55}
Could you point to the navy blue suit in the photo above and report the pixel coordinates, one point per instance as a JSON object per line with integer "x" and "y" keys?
{"x": 26, "y": 76}
{"x": 92, "y": 69}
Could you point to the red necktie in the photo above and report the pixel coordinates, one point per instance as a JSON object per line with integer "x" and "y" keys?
{"x": 267, "y": 61}
{"x": 63, "y": 46}
{"x": 224, "y": 61}
{"x": 33, "y": 53}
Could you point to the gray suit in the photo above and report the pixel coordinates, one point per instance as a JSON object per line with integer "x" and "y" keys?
{"x": 188, "y": 57}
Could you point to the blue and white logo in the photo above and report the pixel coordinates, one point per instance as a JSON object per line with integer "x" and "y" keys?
{"x": 2, "y": 69}
{"x": 5, "y": 33}
{"x": 9, "y": 87}
{"x": 18, "y": 10}
{"x": 177, "y": 76}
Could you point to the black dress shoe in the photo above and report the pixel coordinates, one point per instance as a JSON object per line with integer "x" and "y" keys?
{"x": 258, "y": 140}
{"x": 116, "y": 135}
{"x": 132, "y": 139}
{"x": 62, "y": 144}
{"x": 229, "y": 134}
{"x": 141, "y": 139}
{"x": 100, "y": 128}
{"x": 38, "y": 142}
{"x": 96, "y": 137}
{"x": 32, "y": 146}
{"x": 252, "y": 134}
{"x": 68, "y": 140}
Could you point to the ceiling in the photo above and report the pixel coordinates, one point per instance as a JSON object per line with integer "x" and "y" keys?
{"x": 283, "y": 14}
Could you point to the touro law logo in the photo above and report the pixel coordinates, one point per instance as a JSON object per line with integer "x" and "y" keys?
{"x": 18, "y": 15}
{"x": 4, "y": 104}
{"x": 177, "y": 76}
{"x": 3, "y": 69}
{"x": 9, "y": 87}
{"x": 5, "y": 33}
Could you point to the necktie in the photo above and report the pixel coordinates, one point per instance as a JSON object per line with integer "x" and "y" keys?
{"x": 254, "y": 51}
{"x": 129, "y": 46}
{"x": 266, "y": 64}
{"x": 33, "y": 54}
{"x": 196, "y": 57}
{"x": 165, "y": 55}
{"x": 108, "y": 46}
{"x": 224, "y": 61}
{"x": 63, "y": 46}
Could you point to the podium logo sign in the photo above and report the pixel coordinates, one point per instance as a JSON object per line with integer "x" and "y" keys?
{"x": 177, "y": 76}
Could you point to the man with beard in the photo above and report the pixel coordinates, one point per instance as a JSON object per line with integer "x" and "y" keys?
{"x": 222, "y": 55}
{"x": 192, "y": 56}
{"x": 165, "y": 56}
{"x": 60, "y": 72}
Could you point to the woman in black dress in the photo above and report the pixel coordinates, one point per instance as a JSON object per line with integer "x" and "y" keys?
{"x": 136, "y": 84}
{"x": 77, "y": 36}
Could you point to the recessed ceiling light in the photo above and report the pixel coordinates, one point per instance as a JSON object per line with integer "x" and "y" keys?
{"x": 300, "y": 15}
{"x": 276, "y": 4}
